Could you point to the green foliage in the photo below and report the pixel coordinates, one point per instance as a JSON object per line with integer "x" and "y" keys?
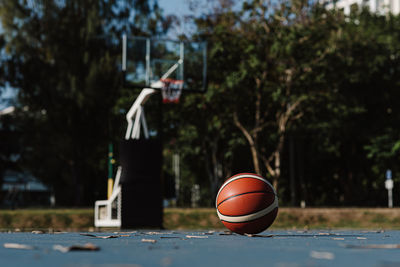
{"x": 340, "y": 71}
{"x": 281, "y": 74}
{"x": 63, "y": 58}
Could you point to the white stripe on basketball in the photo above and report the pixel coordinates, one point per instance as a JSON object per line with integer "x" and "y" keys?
{"x": 250, "y": 217}
{"x": 245, "y": 175}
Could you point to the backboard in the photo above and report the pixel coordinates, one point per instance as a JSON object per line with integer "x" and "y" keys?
{"x": 147, "y": 60}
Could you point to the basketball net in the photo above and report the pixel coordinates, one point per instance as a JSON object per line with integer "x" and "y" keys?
{"x": 171, "y": 90}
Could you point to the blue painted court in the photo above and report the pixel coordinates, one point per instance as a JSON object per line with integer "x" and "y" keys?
{"x": 178, "y": 248}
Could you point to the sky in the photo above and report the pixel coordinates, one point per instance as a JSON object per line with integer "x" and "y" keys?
{"x": 7, "y": 94}
{"x": 175, "y": 6}
{"x": 181, "y": 8}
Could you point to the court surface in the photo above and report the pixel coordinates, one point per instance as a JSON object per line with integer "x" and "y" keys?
{"x": 202, "y": 248}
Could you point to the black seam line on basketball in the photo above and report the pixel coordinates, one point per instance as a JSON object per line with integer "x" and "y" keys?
{"x": 244, "y": 178}
{"x": 225, "y": 183}
{"x": 247, "y": 213}
{"x": 243, "y": 194}
{"x": 251, "y": 219}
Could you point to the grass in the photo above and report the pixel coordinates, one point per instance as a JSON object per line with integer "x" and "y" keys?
{"x": 206, "y": 218}
{"x": 338, "y": 218}
{"x": 58, "y": 219}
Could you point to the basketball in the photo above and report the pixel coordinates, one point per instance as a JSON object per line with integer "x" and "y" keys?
{"x": 247, "y": 203}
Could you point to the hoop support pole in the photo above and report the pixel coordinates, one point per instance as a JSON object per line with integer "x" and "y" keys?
{"x": 138, "y": 104}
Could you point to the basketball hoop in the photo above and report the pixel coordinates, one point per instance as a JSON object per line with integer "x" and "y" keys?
{"x": 171, "y": 90}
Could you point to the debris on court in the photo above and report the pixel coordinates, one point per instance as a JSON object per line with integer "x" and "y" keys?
{"x": 152, "y": 233}
{"x": 257, "y": 235}
{"x": 284, "y": 247}
{"x": 18, "y": 246}
{"x": 149, "y": 240}
{"x": 100, "y": 236}
{"x": 196, "y": 236}
{"x": 209, "y": 233}
{"x": 226, "y": 233}
{"x": 322, "y": 255}
{"x": 57, "y": 232}
{"x": 371, "y": 231}
{"x": 373, "y": 246}
{"x": 86, "y": 247}
{"x": 302, "y": 231}
{"x": 326, "y": 234}
{"x": 125, "y": 233}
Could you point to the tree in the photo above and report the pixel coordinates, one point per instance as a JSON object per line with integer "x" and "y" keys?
{"x": 63, "y": 59}
{"x": 267, "y": 50}
{"x": 358, "y": 81}
{"x": 300, "y": 71}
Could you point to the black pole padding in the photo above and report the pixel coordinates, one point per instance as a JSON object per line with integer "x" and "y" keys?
{"x": 141, "y": 183}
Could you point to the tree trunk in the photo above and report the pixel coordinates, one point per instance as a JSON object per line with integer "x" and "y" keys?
{"x": 254, "y": 156}
{"x": 277, "y": 169}
{"x": 251, "y": 140}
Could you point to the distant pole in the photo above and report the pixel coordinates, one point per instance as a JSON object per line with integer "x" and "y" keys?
{"x": 292, "y": 171}
{"x": 389, "y": 187}
{"x": 110, "y": 170}
{"x": 177, "y": 173}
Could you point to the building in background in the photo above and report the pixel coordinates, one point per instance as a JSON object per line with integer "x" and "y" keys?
{"x": 20, "y": 189}
{"x": 376, "y": 6}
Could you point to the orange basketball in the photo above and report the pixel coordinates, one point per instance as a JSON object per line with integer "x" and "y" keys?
{"x": 247, "y": 203}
